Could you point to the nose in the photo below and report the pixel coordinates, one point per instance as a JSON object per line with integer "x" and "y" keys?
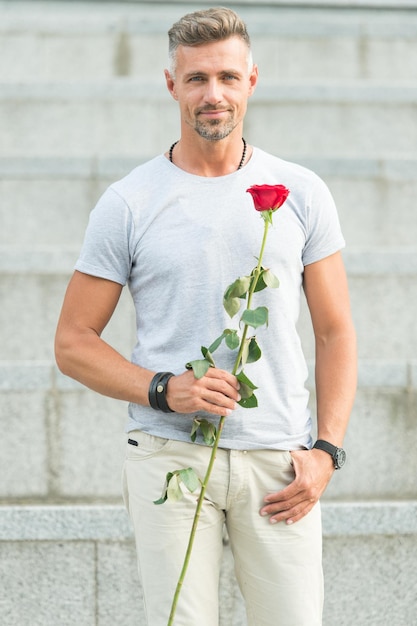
{"x": 213, "y": 92}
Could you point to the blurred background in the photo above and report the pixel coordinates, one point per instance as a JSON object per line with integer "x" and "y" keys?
{"x": 83, "y": 101}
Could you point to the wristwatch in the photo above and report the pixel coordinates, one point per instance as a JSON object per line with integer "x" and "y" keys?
{"x": 338, "y": 454}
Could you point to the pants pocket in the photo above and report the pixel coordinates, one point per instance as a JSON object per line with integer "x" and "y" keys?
{"x": 142, "y": 446}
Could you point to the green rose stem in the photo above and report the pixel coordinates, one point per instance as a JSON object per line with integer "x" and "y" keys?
{"x": 195, "y": 521}
{"x": 267, "y": 216}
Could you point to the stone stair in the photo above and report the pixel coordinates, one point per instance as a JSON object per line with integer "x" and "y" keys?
{"x": 82, "y": 101}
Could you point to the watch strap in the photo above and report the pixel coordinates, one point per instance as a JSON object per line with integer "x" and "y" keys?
{"x": 338, "y": 454}
{"x": 321, "y": 444}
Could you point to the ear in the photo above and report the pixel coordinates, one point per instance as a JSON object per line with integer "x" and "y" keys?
{"x": 253, "y": 79}
{"x": 170, "y": 84}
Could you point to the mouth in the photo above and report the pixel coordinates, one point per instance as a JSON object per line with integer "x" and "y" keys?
{"x": 213, "y": 113}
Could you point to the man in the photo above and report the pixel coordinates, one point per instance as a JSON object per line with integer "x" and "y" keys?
{"x": 178, "y": 230}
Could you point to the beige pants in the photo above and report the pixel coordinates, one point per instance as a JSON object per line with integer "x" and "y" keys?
{"x": 278, "y": 566}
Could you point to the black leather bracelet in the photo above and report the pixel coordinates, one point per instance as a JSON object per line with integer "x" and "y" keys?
{"x": 152, "y": 390}
{"x": 161, "y": 392}
{"x": 157, "y": 392}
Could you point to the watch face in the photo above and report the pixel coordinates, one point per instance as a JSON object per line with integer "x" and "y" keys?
{"x": 340, "y": 457}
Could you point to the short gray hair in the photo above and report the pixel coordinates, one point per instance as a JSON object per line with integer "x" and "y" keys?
{"x": 206, "y": 26}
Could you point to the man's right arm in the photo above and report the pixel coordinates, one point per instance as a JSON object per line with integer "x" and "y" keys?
{"x": 82, "y": 354}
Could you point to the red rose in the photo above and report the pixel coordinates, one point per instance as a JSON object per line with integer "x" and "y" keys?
{"x": 268, "y": 197}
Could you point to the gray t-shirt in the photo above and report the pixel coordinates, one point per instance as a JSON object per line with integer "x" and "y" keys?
{"x": 178, "y": 240}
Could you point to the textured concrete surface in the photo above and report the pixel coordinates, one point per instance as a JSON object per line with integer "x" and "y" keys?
{"x": 365, "y": 190}
{"x": 83, "y": 561}
{"x": 338, "y": 94}
{"x": 62, "y": 441}
{"x": 100, "y": 118}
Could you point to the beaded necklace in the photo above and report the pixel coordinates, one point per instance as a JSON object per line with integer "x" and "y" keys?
{"x": 242, "y": 160}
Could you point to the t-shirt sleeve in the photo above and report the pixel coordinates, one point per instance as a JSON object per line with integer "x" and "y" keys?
{"x": 107, "y": 248}
{"x": 324, "y": 235}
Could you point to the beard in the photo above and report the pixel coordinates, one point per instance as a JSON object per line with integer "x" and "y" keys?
{"x": 215, "y": 130}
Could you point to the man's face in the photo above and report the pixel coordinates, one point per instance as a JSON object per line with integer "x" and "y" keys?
{"x": 212, "y": 85}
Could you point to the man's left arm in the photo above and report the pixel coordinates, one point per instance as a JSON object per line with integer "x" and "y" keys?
{"x": 326, "y": 289}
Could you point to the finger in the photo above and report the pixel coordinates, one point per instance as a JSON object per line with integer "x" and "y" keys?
{"x": 284, "y": 495}
{"x": 230, "y": 379}
{"x": 294, "y": 514}
{"x": 283, "y": 501}
{"x": 215, "y": 409}
{"x": 217, "y": 404}
{"x": 220, "y": 387}
{"x": 279, "y": 507}
{"x": 186, "y": 394}
{"x": 288, "y": 513}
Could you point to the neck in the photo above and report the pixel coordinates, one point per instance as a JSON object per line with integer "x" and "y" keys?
{"x": 211, "y": 158}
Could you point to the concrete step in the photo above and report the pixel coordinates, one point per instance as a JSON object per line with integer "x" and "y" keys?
{"x": 309, "y": 119}
{"x": 85, "y": 557}
{"x": 33, "y": 298}
{"x": 382, "y": 286}
{"x": 52, "y": 198}
{"x": 51, "y": 425}
{"x": 55, "y": 41}
{"x": 32, "y": 287}
{"x": 338, "y": 93}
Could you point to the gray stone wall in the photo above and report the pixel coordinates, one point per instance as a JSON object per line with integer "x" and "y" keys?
{"x": 82, "y": 101}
